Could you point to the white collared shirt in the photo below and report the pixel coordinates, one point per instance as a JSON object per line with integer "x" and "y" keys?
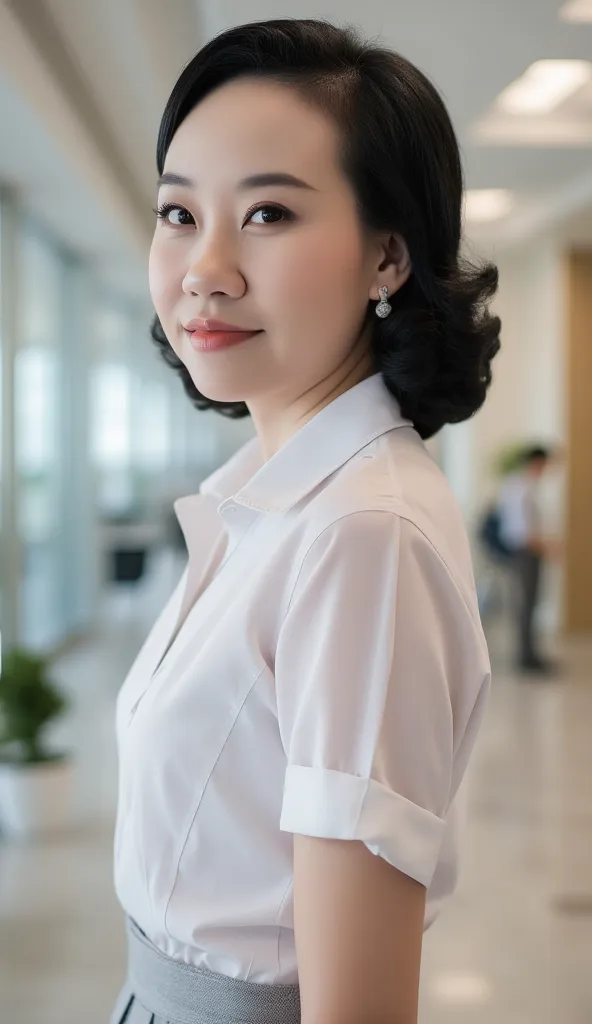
{"x": 519, "y": 510}
{"x": 320, "y": 669}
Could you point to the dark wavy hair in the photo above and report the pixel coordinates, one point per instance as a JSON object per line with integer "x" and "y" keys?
{"x": 401, "y": 156}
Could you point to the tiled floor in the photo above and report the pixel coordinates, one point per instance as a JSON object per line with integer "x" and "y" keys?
{"x": 514, "y": 947}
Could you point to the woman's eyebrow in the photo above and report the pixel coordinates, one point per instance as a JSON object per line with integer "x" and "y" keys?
{"x": 265, "y": 180}
{"x": 170, "y": 178}
{"x": 274, "y": 178}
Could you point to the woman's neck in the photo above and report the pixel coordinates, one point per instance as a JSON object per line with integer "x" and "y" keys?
{"x": 278, "y": 417}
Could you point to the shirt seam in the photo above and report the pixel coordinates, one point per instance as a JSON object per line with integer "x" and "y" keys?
{"x": 172, "y": 641}
{"x": 199, "y": 803}
{"x": 440, "y": 557}
{"x": 281, "y": 906}
{"x": 399, "y": 515}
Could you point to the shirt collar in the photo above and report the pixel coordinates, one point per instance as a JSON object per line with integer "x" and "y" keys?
{"x": 324, "y": 444}
{"x": 235, "y": 473}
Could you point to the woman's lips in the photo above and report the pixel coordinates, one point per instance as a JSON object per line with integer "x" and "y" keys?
{"x": 214, "y": 335}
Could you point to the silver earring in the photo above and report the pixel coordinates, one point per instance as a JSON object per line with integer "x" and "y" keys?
{"x": 384, "y": 307}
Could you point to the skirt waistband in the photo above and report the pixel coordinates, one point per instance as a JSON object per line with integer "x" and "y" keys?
{"x": 184, "y": 994}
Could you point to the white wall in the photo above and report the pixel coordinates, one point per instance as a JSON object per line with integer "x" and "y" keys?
{"x": 526, "y": 401}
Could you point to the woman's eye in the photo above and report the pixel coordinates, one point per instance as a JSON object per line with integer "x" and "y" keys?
{"x": 176, "y": 216}
{"x": 268, "y": 215}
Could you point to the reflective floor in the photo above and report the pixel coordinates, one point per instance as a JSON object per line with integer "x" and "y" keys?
{"x": 515, "y": 945}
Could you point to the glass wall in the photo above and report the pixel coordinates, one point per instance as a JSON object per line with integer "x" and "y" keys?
{"x": 111, "y": 409}
{"x": 9, "y": 549}
{"x": 66, "y": 429}
{"x": 98, "y": 438}
{"x": 39, "y": 406}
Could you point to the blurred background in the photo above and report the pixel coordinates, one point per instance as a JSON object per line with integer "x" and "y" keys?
{"x": 97, "y": 440}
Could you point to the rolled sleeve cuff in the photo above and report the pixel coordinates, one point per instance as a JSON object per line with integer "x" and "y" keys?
{"x": 332, "y": 805}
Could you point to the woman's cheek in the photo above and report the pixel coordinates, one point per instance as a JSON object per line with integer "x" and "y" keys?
{"x": 157, "y": 277}
{"x": 303, "y": 272}
{"x": 165, "y": 288}
{"x": 333, "y": 262}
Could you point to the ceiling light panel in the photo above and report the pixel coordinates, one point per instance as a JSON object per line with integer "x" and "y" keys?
{"x": 544, "y": 86}
{"x": 482, "y": 206}
{"x": 577, "y": 11}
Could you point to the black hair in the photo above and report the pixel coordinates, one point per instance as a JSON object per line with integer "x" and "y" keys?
{"x": 536, "y": 453}
{"x": 402, "y": 158}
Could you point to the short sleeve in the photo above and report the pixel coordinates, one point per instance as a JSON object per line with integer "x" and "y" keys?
{"x": 381, "y": 672}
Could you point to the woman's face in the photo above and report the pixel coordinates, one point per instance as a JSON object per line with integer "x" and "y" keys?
{"x": 258, "y": 229}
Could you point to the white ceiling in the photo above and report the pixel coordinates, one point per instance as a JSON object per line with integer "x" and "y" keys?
{"x": 113, "y": 64}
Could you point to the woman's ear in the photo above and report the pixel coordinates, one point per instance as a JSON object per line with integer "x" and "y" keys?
{"x": 394, "y": 268}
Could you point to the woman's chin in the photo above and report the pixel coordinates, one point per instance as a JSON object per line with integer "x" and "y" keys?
{"x": 219, "y": 388}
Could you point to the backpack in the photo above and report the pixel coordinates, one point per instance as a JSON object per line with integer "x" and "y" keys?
{"x": 490, "y": 534}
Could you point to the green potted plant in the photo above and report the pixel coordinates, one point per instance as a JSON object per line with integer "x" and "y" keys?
{"x": 34, "y": 782}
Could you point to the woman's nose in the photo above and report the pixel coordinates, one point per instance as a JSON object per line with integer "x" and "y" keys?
{"x": 212, "y": 271}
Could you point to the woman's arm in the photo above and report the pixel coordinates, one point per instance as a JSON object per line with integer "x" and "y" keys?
{"x": 359, "y": 925}
{"x": 381, "y": 674}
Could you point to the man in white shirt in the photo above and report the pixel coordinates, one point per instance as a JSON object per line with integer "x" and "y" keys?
{"x": 521, "y": 530}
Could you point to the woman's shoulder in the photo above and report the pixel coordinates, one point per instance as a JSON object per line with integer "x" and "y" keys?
{"x": 395, "y": 475}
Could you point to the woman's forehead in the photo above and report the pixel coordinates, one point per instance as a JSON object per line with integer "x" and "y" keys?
{"x": 248, "y": 127}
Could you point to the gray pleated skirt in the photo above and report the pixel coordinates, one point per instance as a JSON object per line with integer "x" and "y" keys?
{"x": 164, "y": 991}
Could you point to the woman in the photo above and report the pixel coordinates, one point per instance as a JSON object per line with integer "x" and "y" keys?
{"x": 294, "y": 733}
